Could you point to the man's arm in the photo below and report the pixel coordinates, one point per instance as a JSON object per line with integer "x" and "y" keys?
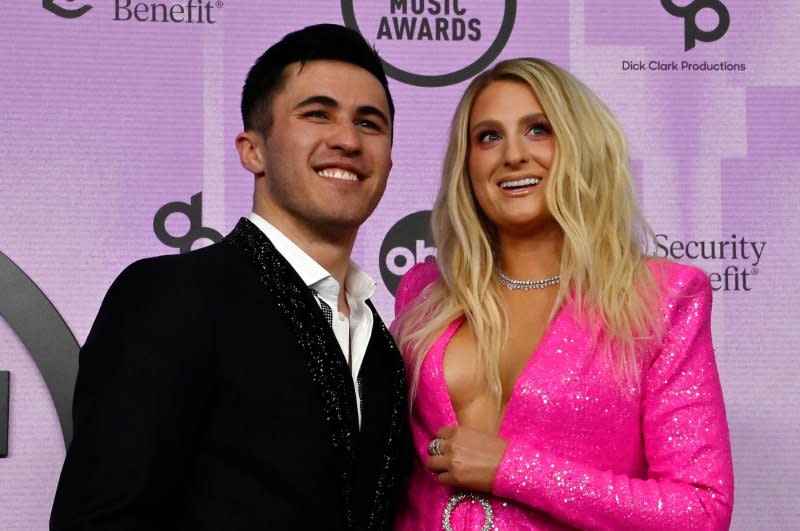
{"x": 140, "y": 398}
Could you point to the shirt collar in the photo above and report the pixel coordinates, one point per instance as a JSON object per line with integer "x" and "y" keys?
{"x": 357, "y": 282}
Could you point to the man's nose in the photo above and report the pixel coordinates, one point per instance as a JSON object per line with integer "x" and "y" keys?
{"x": 345, "y": 137}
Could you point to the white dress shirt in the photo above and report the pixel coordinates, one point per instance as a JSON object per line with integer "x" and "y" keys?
{"x": 352, "y": 333}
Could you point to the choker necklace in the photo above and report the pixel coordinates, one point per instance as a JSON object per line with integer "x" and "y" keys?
{"x": 513, "y": 284}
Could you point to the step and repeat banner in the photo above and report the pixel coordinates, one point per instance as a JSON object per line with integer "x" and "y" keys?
{"x": 118, "y": 120}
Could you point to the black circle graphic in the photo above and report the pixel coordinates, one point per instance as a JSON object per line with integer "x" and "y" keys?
{"x": 442, "y": 80}
{"x": 408, "y": 242}
{"x": 56, "y": 9}
{"x": 42, "y": 330}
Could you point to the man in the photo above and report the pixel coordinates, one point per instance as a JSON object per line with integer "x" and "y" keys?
{"x": 251, "y": 384}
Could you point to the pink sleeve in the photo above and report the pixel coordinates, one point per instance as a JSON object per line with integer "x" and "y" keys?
{"x": 689, "y": 482}
{"x": 412, "y": 284}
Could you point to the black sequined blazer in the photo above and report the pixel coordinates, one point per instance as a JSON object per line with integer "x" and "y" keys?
{"x": 212, "y": 394}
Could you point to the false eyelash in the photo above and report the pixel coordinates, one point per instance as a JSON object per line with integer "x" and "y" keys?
{"x": 541, "y": 124}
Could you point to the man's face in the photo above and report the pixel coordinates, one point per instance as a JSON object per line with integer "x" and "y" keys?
{"x": 327, "y": 155}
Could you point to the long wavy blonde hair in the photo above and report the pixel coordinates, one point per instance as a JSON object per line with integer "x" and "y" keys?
{"x": 590, "y": 194}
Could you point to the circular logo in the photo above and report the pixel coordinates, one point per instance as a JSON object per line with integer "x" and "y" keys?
{"x": 56, "y": 9}
{"x": 689, "y": 12}
{"x": 438, "y": 21}
{"x": 407, "y": 243}
{"x": 46, "y": 336}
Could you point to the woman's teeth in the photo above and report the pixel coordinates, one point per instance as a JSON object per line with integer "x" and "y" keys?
{"x": 519, "y": 183}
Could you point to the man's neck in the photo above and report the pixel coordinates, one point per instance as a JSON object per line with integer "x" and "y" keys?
{"x": 329, "y": 249}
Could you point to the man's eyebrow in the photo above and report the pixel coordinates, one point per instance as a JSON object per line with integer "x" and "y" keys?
{"x": 327, "y": 101}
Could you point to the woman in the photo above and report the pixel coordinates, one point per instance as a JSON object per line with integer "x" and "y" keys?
{"x": 560, "y": 378}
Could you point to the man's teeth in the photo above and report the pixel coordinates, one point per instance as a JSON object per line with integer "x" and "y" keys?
{"x": 338, "y": 174}
{"x": 528, "y": 181}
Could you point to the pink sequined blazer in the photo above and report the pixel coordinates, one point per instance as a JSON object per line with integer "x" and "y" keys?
{"x": 582, "y": 452}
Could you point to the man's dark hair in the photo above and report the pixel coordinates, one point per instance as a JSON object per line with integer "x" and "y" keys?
{"x": 319, "y": 42}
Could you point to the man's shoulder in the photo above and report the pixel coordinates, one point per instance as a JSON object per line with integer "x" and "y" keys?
{"x": 172, "y": 266}
{"x": 164, "y": 277}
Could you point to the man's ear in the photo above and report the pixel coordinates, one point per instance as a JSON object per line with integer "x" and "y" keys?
{"x": 248, "y": 145}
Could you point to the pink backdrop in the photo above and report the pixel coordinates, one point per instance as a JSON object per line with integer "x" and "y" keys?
{"x": 106, "y": 118}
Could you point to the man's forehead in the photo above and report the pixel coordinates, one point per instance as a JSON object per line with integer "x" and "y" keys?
{"x": 337, "y": 79}
{"x": 298, "y": 67}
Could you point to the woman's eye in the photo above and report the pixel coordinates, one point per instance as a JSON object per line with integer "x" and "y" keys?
{"x": 539, "y": 129}
{"x": 487, "y": 136}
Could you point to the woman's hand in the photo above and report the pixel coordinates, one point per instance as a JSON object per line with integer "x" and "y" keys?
{"x": 466, "y": 458}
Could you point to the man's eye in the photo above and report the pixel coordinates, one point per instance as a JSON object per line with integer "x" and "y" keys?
{"x": 369, "y": 124}
{"x": 315, "y": 114}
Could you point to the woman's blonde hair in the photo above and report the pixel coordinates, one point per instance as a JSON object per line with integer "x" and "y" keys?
{"x": 589, "y": 192}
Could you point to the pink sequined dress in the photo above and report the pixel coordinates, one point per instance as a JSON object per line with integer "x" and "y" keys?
{"x": 582, "y": 452}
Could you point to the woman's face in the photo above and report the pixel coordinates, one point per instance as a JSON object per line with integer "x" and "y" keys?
{"x": 511, "y": 150}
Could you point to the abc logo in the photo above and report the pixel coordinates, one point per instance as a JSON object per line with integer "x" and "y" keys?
{"x": 407, "y": 243}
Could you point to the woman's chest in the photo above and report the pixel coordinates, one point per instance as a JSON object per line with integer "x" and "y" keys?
{"x": 565, "y": 394}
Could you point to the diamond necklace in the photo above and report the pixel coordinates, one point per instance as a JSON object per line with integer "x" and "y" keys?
{"x": 513, "y": 284}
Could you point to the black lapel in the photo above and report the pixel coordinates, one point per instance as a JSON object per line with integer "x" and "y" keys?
{"x": 326, "y": 364}
{"x": 397, "y": 440}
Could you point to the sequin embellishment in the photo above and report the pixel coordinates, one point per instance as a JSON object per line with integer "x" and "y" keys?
{"x": 331, "y": 374}
{"x": 455, "y": 499}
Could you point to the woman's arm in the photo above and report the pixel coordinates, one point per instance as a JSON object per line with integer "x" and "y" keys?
{"x": 686, "y": 443}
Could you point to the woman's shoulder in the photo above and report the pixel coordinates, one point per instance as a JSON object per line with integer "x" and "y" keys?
{"x": 677, "y": 279}
{"x": 413, "y": 283}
